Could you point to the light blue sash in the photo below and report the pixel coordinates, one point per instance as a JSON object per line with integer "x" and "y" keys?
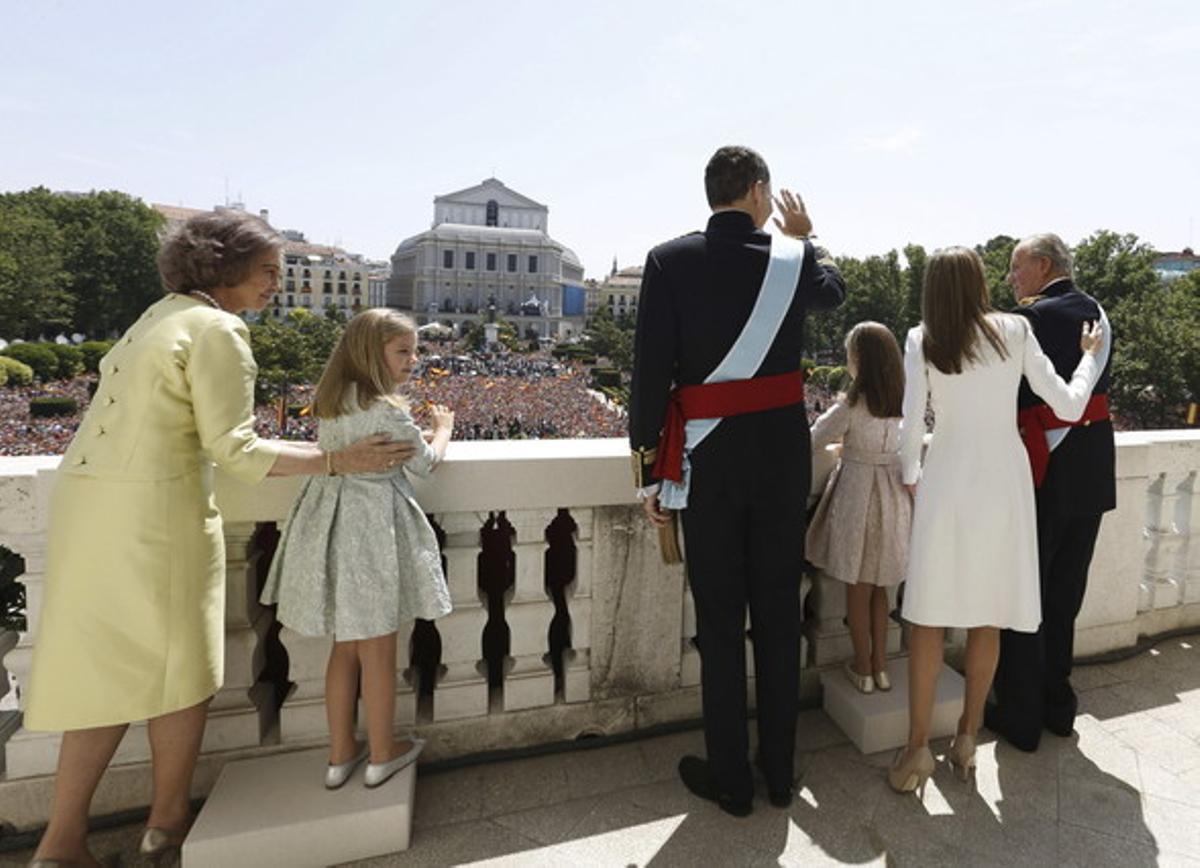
{"x": 747, "y": 353}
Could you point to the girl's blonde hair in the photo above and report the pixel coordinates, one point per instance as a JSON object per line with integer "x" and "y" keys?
{"x": 358, "y": 361}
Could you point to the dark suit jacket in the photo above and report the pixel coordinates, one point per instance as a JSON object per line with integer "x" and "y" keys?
{"x": 1081, "y": 477}
{"x": 697, "y": 293}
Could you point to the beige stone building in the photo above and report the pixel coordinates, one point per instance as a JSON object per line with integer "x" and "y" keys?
{"x": 618, "y": 292}
{"x": 315, "y": 276}
{"x": 488, "y": 249}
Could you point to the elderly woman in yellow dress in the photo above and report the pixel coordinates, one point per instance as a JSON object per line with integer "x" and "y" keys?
{"x": 132, "y": 624}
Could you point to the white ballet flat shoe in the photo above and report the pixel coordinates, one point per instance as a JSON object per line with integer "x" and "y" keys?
{"x": 882, "y": 682}
{"x": 862, "y": 683}
{"x": 337, "y": 775}
{"x": 375, "y": 775}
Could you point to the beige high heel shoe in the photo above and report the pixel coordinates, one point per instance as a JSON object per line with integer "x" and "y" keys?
{"x": 910, "y": 774}
{"x": 962, "y": 756}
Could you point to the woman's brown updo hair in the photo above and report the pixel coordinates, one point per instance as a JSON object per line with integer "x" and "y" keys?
{"x": 214, "y": 250}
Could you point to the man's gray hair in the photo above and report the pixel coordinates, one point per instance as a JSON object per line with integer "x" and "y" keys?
{"x": 1049, "y": 246}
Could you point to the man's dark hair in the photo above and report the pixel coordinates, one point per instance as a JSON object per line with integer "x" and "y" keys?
{"x": 731, "y": 173}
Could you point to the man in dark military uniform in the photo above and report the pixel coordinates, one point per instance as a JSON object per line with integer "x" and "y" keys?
{"x": 746, "y": 483}
{"x": 1074, "y": 471}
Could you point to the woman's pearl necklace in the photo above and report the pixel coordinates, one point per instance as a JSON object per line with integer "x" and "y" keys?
{"x": 205, "y": 297}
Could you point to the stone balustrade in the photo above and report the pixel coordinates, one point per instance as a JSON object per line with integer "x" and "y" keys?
{"x": 566, "y": 623}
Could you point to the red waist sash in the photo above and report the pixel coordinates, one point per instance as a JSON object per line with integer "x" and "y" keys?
{"x": 1035, "y": 421}
{"x": 716, "y": 401}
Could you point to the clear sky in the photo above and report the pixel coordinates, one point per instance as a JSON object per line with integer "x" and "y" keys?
{"x": 927, "y": 122}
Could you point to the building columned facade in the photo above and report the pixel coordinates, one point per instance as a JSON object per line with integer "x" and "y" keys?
{"x": 489, "y": 250}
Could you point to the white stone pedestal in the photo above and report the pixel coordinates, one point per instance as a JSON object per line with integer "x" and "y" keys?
{"x": 275, "y": 811}
{"x": 879, "y": 721}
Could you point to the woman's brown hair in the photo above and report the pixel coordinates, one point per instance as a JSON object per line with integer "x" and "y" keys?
{"x": 954, "y": 309}
{"x": 357, "y": 361}
{"x": 879, "y": 370}
{"x": 213, "y": 250}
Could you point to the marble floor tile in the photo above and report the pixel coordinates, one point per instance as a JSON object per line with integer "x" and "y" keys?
{"x": 1114, "y": 809}
{"x": 1175, "y": 825}
{"x": 1085, "y": 848}
{"x": 513, "y": 785}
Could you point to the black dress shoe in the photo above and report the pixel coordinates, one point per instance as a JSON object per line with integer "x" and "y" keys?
{"x": 780, "y": 798}
{"x": 994, "y": 719}
{"x": 1062, "y": 730}
{"x": 697, "y": 777}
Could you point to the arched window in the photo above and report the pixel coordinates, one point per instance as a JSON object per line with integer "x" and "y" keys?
{"x": 493, "y": 212}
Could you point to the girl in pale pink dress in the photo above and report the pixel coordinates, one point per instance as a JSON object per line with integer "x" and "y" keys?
{"x": 859, "y": 534}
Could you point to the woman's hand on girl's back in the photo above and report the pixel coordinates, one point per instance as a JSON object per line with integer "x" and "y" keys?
{"x": 374, "y": 454}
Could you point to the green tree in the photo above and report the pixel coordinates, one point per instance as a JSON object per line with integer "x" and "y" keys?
{"x": 1112, "y": 267}
{"x": 292, "y": 351}
{"x": 1156, "y": 367}
{"x": 506, "y": 333}
{"x": 109, "y": 245}
{"x": 612, "y": 338}
{"x": 914, "y": 284}
{"x": 33, "y": 295}
{"x": 996, "y": 253}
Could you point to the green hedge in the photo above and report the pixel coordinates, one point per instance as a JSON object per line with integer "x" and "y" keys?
{"x": 93, "y": 352}
{"x": 53, "y": 406}
{"x": 830, "y": 377}
{"x": 39, "y": 357}
{"x": 70, "y": 360}
{"x": 14, "y": 373}
{"x": 606, "y": 378}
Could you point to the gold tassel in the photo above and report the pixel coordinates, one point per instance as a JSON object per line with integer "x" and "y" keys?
{"x": 668, "y": 541}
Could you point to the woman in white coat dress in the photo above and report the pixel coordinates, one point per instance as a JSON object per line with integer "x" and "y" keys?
{"x": 973, "y": 556}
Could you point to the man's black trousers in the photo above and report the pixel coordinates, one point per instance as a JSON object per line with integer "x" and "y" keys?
{"x": 1032, "y": 684}
{"x": 745, "y": 549}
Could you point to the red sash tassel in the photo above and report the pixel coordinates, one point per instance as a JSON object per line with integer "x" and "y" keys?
{"x": 1035, "y": 421}
{"x": 716, "y": 401}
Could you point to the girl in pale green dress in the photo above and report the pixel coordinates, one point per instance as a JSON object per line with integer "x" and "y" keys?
{"x": 358, "y": 557}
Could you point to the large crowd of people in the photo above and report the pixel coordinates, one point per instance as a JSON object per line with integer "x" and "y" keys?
{"x": 494, "y": 396}
{"x": 22, "y": 434}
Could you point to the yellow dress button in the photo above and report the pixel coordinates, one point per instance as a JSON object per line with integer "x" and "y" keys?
{"x": 110, "y": 400}
{"x": 100, "y": 431}
{"x": 82, "y": 459}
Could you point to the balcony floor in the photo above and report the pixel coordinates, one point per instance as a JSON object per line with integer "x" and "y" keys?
{"x": 1124, "y": 790}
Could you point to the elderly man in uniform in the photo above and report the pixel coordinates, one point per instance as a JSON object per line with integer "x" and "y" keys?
{"x": 1073, "y": 471}
{"x": 719, "y": 432}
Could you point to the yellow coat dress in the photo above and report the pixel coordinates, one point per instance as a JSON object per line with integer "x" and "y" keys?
{"x": 132, "y": 622}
